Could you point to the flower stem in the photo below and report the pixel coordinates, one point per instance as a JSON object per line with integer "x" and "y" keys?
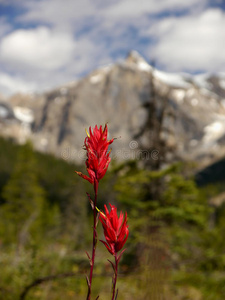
{"x": 94, "y": 240}
{"x": 115, "y": 277}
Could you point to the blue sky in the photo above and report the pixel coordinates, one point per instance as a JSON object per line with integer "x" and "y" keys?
{"x": 45, "y": 43}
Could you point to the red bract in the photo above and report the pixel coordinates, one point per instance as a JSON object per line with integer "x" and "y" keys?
{"x": 115, "y": 229}
{"x": 98, "y": 159}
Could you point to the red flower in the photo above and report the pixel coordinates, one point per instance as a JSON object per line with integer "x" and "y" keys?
{"x": 115, "y": 229}
{"x": 98, "y": 159}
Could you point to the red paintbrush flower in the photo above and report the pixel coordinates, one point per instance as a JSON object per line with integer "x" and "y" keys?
{"x": 98, "y": 159}
{"x": 115, "y": 229}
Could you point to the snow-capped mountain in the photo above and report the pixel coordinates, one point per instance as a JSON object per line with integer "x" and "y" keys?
{"x": 146, "y": 109}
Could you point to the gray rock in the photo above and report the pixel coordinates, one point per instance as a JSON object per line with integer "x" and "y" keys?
{"x": 179, "y": 115}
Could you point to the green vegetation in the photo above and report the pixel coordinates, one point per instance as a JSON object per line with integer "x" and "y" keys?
{"x": 175, "y": 250}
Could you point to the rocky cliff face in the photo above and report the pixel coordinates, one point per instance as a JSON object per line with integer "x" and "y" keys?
{"x": 169, "y": 115}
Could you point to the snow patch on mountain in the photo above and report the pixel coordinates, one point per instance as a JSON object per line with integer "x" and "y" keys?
{"x": 214, "y": 131}
{"x": 178, "y": 95}
{"x": 23, "y": 114}
{"x": 172, "y": 79}
{"x": 222, "y": 83}
{"x": 201, "y": 81}
{"x": 136, "y": 60}
{"x": 99, "y": 75}
{"x": 96, "y": 78}
{"x": 144, "y": 66}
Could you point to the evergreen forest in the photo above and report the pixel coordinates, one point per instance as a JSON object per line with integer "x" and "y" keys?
{"x": 175, "y": 249}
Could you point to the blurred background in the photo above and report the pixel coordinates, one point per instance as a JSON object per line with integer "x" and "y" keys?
{"x": 155, "y": 72}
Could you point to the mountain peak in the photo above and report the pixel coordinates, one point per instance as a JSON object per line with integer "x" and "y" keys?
{"x": 192, "y": 110}
{"x": 134, "y": 57}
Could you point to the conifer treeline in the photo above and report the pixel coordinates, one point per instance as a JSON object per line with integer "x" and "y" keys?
{"x": 175, "y": 248}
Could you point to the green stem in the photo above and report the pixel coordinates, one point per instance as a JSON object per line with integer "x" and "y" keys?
{"x": 94, "y": 240}
{"x": 115, "y": 277}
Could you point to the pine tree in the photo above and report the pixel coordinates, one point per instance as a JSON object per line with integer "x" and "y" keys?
{"x": 166, "y": 226}
{"x": 23, "y": 197}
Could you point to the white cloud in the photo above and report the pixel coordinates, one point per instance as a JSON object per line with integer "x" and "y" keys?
{"x": 192, "y": 43}
{"x": 63, "y": 15}
{"x": 134, "y": 8}
{"x": 53, "y": 12}
{"x": 5, "y": 27}
{"x": 73, "y": 37}
{"x": 13, "y": 84}
{"x": 39, "y": 48}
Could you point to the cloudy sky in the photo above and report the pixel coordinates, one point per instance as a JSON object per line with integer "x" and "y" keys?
{"x": 45, "y": 43}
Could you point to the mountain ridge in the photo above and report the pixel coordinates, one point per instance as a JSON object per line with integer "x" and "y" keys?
{"x": 125, "y": 94}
